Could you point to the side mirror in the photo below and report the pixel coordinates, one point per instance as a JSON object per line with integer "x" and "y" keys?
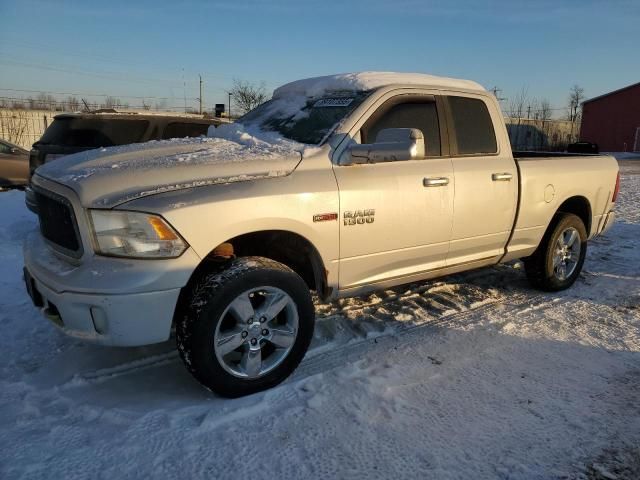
{"x": 392, "y": 145}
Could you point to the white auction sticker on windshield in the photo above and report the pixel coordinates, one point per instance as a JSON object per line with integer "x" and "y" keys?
{"x": 333, "y": 102}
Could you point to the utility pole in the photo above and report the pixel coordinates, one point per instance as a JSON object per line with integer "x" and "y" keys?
{"x": 230, "y": 95}
{"x": 184, "y": 91}
{"x": 496, "y": 92}
{"x": 200, "y": 94}
{"x": 528, "y": 111}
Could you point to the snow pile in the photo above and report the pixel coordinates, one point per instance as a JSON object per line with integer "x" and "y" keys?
{"x": 362, "y": 81}
{"x": 231, "y": 145}
{"x": 110, "y": 176}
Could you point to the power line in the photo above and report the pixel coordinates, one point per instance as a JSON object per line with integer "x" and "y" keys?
{"x": 98, "y": 57}
{"x": 144, "y": 97}
{"x": 62, "y": 103}
{"x": 106, "y": 75}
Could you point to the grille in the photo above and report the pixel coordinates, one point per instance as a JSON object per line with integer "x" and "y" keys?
{"x": 58, "y": 222}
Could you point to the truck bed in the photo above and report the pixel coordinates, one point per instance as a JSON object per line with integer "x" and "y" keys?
{"x": 547, "y": 180}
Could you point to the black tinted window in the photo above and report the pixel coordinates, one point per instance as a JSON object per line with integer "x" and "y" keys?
{"x": 472, "y": 126}
{"x": 420, "y": 115}
{"x": 181, "y": 130}
{"x": 5, "y": 148}
{"x": 93, "y": 132}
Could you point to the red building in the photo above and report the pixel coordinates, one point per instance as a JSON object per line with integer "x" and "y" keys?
{"x": 612, "y": 120}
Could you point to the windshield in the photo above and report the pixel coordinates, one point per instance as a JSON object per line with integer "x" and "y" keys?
{"x": 93, "y": 132}
{"x": 304, "y": 120}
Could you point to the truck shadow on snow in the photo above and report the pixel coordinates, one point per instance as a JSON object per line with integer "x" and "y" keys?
{"x": 128, "y": 376}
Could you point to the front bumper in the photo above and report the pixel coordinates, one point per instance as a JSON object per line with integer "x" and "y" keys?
{"x": 103, "y": 300}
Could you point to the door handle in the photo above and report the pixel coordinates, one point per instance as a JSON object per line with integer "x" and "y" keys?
{"x": 435, "y": 182}
{"x": 501, "y": 177}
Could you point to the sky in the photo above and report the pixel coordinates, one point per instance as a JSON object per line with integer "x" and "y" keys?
{"x": 156, "y": 49}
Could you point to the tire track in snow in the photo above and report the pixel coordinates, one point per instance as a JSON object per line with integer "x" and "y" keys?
{"x": 323, "y": 361}
{"x": 337, "y": 335}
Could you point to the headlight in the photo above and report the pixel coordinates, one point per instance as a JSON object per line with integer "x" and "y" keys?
{"x": 134, "y": 234}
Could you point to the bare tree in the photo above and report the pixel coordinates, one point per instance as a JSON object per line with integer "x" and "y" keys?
{"x": 247, "y": 96}
{"x": 576, "y": 97}
{"x": 14, "y": 126}
{"x": 516, "y": 111}
{"x": 111, "y": 102}
{"x": 72, "y": 104}
{"x": 544, "y": 115}
{"x": 161, "y": 105}
{"x": 544, "y": 111}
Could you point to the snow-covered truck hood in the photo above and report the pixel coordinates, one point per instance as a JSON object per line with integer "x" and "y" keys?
{"x": 106, "y": 177}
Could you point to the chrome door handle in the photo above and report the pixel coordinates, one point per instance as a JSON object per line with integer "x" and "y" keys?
{"x": 501, "y": 177}
{"x": 435, "y": 182}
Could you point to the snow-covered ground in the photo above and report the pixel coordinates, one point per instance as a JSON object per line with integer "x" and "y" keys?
{"x": 472, "y": 376}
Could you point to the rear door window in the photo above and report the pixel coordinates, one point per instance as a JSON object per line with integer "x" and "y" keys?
{"x": 182, "y": 129}
{"x": 472, "y": 126}
{"x": 94, "y": 132}
{"x": 412, "y": 113}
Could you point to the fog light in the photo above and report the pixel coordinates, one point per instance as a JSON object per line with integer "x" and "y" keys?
{"x": 99, "y": 319}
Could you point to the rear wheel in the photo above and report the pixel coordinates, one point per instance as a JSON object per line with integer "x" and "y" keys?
{"x": 246, "y": 328}
{"x": 558, "y": 261}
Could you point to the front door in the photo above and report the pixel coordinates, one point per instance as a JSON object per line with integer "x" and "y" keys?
{"x": 391, "y": 224}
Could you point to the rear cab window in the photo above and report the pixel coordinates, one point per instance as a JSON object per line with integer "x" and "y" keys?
{"x": 471, "y": 128}
{"x": 94, "y": 132}
{"x": 184, "y": 129}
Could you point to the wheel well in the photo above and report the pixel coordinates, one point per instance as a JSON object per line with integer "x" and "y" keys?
{"x": 288, "y": 248}
{"x": 578, "y": 206}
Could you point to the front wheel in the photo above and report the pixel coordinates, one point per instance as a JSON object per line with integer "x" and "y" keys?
{"x": 247, "y": 327}
{"x": 558, "y": 261}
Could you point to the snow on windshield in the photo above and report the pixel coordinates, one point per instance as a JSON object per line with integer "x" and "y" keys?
{"x": 301, "y": 118}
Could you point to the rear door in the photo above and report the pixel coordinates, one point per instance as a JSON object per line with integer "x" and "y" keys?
{"x": 391, "y": 225}
{"x": 486, "y": 182}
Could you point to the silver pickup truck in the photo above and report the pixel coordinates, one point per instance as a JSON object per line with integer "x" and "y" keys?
{"x": 340, "y": 184}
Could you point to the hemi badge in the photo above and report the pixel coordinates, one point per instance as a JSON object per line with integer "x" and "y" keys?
{"x": 325, "y": 217}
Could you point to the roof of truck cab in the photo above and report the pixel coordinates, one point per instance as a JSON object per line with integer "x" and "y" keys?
{"x": 363, "y": 81}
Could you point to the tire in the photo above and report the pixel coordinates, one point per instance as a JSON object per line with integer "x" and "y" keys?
{"x": 545, "y": 267}
{"x": 255, "y": 300}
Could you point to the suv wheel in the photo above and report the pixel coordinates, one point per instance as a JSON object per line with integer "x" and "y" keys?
{"x": 247, "y": 327}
